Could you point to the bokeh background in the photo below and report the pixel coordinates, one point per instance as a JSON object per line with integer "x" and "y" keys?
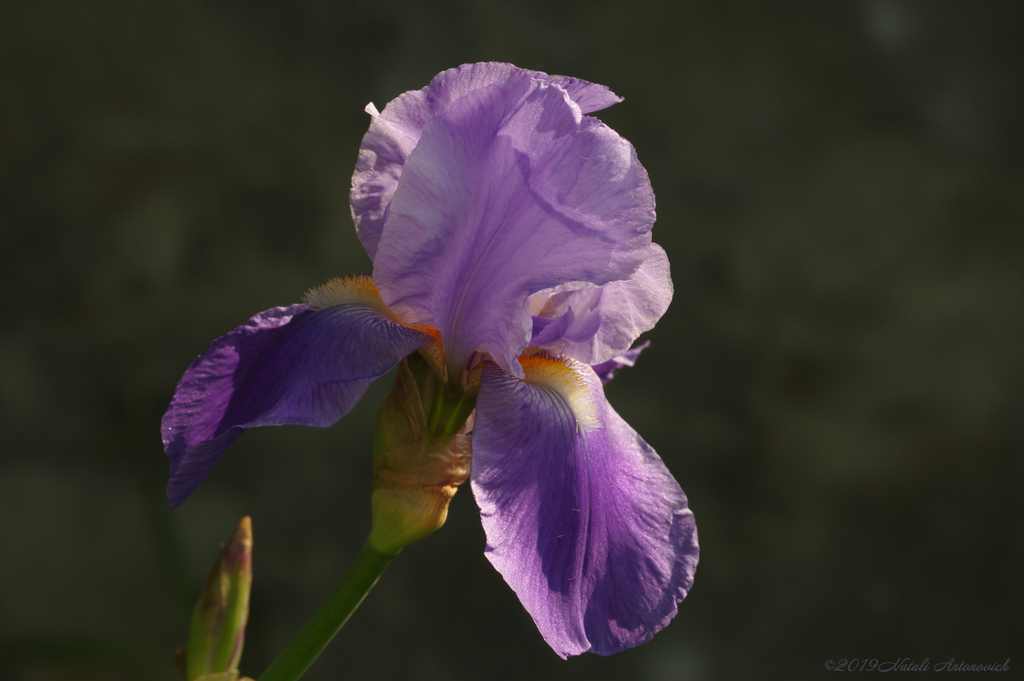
{"x": 838, "y": 385}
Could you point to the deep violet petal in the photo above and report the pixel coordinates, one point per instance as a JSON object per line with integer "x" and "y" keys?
{"x": 284, "y": 366}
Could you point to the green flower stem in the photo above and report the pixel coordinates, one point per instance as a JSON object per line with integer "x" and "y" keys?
{"x": 329, "y": 619}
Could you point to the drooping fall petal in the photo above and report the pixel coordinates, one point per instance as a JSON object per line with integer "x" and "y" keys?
{"x": 287, "y": 365}
{"x": 583, "y": 519}
{"x": 606, "y": 370}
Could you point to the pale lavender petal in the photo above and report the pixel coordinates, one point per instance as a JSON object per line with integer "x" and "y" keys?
{"x": 622, "y": 310}
{"x": 509, "y": 192}
{"x": 606, "y": 370}
{"x": 589, "y": 97}
{"x": 394, "y": 132}
{"x": 285, "y": 365}
{"x": 582, "y": 518}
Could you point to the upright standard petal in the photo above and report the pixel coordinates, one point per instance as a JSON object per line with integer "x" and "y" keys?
{"x": 394, "y": 133}
{"x": 509, "y": 192}
{"x": 287, "y": 365}
{"x": 608, "y": 319}
{"x": 583, "y": 520}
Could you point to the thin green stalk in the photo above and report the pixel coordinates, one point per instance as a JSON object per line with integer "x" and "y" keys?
{"x": 331, "y": 616}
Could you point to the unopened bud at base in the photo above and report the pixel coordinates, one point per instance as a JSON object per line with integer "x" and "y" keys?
{"x": 412, "y": 486}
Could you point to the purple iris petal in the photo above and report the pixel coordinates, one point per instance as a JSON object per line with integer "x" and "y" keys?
{"x": 583, "y": 520}
{"x": 394, "y": 133}
{"x": 618, "y": 312}
{"x": 606, "y": 370}
{"x": 547, "y": 330}
{"x": 285, "y": 365}
{"x": 508, "y": 192}
{"x": 556, "y": 334}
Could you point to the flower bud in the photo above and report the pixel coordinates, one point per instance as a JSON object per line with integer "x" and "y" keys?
{"x": 218, "y": 620}
{"x": 412, "y": 486}
{"x": 421, "y": 454}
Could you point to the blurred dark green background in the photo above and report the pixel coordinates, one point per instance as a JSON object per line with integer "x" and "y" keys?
{"x": 838, "y": 385}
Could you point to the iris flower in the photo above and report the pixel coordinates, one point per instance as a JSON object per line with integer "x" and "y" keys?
{"x": 510, "y": 234}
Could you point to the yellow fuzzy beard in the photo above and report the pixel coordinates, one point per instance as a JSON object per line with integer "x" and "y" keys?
{"x": 560, "y": 376}
{"x": 343, "y": 291}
